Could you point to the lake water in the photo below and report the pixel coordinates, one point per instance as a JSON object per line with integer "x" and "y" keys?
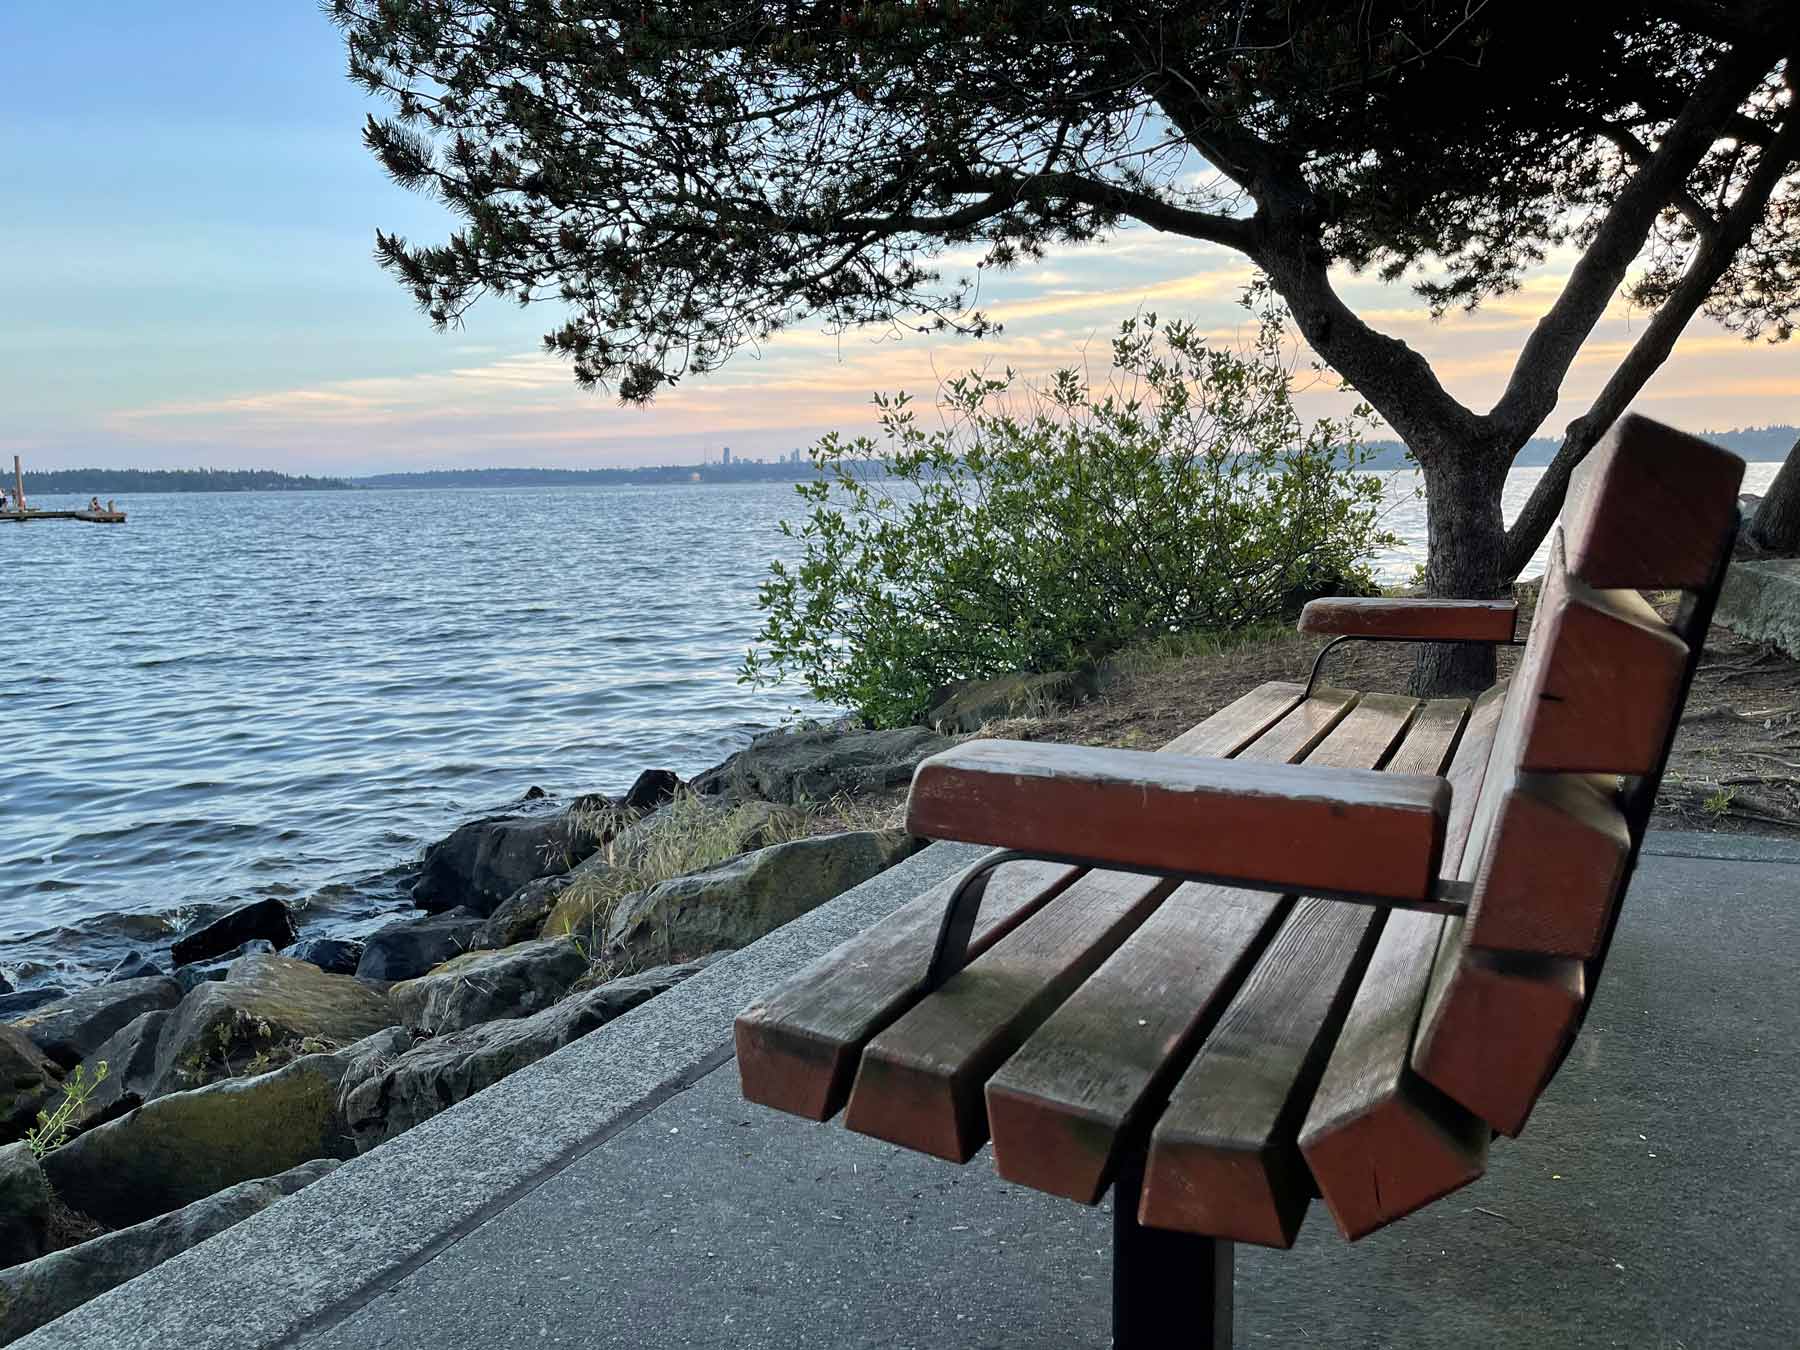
{"x": 287, "y": 694}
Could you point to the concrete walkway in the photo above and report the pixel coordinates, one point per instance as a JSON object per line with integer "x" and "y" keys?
{"x": 1654, "y": 1200}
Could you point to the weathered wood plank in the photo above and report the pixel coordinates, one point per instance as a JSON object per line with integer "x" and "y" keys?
{"x": 798, "y": 1046}
{"x": 920, "y": 1081}
{"x": 1302, "y": 828}
{"x": 1495, "y": 1025}
{"x": 1380, "y": 1141}
{"x": 1223, "y": 1157}
{"x": 1600, "y": 678}
{"x": 1551, "y": 866}
{"x": 1059, "y": 1108}
{"x": 1410, "y": 619}
{"x": 1650, "y": 507}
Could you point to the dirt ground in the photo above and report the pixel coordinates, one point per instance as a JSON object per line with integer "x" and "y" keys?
{"x": 1735, "y": 768}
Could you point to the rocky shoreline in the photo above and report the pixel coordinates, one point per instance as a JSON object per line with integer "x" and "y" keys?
{"x": 200, "y": 1082}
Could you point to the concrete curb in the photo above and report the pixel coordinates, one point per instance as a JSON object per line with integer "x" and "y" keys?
{"x": 1722, "y": 847}
{"x": 313, "y": 1258}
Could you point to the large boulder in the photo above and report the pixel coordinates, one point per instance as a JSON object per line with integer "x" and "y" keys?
{"x": 407, "y": 948}
{"x": 971, "y": 704}
{"x": 522, "y": 914}
{"x": 270, "y": 920}
{"x": 191, "y": 976}
{"x": 484, "y": 986}
{"x": 734, "y": 904}
{"x": 271, "y": 1009}
{"x": 479, "y": 864}
{"x": 133, "y": 966}
{"x": 651, "y": 789}
{"x": 177, "y": 1149}
{"x": 28, "y": 1078}
{"x": 72, "y": 1028}
{"x": 37, "y": 1293}
{"x": 815, "y": 764}
{"x": 24, "y": 1206}
{"x": 385, "y": 1100}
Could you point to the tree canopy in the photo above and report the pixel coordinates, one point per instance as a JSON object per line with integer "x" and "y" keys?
{"x": 688, "y": 177}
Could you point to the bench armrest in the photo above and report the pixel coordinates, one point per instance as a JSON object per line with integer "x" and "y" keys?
{"x": 1411, "y": 620}
{"x": 1348, "y": 832}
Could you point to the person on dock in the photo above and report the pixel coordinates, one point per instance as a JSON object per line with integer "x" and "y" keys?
{"x": 111, "y": 510}
{"x": 93, "y": 503}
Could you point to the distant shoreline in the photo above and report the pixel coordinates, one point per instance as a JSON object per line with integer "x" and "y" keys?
{"x": 1755, "y": 444}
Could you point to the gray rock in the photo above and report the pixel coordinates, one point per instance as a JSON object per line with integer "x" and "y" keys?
{"x": 130, "y": 1058}
{"x": 334, "y": 956}
{"x": 27, "y": 1079}
{"x": 134, "y": 966}
{"x": 971, "y": 704}
{"x": 732, "y": 905}
{"x": 815, "y": 764}
{"x": 24, "y": 1206}
{"x": 5, "y": 984}
{"x": 270, "y": 920}
{"x": 183, "y": 1147}
{"x": 37, "y": 1293}
{"x": 484, "y": 986}
{"x": 407, "y": 948}
{"x": 522, "y": 914}
{"x": 72, "y": 1028}
{"x": 1761, "y": 601}
{"x": 191, "y": 977}
{"x": 272, "y": 1008}
{"x": 480, "y": 864}
{"x": 439, "y": 1073}
{"x": 17, "y": 1004}
{"x": 652, "y": 788}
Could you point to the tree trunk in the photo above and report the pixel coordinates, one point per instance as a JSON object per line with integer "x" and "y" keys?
{"x": 1466, "y": 542}
{"x": 1776, "y": 526}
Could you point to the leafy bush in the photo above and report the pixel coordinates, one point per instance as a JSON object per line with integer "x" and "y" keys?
{"x": 1188, "y": 495}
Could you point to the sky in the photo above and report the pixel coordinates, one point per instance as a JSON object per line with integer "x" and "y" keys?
{"x": 187, "y": 216}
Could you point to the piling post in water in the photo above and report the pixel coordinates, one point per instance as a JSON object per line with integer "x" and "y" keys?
{"x": 18, "y": 483}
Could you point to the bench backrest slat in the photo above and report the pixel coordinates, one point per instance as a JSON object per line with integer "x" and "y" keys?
{"x": 1588, "y": 720}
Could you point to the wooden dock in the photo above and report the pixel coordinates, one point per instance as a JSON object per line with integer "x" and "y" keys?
{"x": 92, "y": 517}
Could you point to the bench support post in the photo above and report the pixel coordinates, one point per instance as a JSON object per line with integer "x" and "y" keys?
{"x": 1169, "y": 1289}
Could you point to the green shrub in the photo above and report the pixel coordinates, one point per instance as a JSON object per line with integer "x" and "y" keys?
{"x": 1188, "y": 495}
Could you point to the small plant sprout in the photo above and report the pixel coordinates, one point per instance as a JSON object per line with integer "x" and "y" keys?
{"x": 55, "y": 1127}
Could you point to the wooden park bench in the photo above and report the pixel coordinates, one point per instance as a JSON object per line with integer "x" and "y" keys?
{"x": 1325, "y": 943}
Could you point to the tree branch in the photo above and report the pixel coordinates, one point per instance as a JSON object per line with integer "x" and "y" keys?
{"x": 1530, "y": 393}
{"x": 1652, "y": 348}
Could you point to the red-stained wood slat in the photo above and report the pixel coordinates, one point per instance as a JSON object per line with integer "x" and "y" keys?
{"x": 1650, "y": 507}
{"x": 920, "y": 1082}
{"x": 1380, "y": 1141}
{"x": 1303, "y": 828}
{"x": 1059, "y": 1109}
{"x": 1410, "y": 619}
{"x": 1600, "y": 679}
{"x": 798, "y": 1046}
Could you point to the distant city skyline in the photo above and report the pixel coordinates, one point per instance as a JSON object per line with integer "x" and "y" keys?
{"x": 188, "y": 281}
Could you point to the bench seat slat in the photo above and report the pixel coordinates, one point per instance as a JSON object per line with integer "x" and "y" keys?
{"x": 1224, "y": 1160}
{"x": 1058, "y": 1108}
{"x": 1380, "y": 1141}
{"x": 797, "y": 1048}
{"x": 920, "y": 1081}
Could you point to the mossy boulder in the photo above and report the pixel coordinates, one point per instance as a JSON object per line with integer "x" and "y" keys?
{"x": 485, "y": 986}
{"x": 24, "y": 1206}
{"x": 37, "y": 1293}
{"x": 183, "y": 1147}
{"x": 407, "y": 948}
{"x": 271, "y": 1009}
{"x": 817, "y": 763}
{"x": 735, "y": 904}
{"x": 971, "y": 704}
{"x": 72, "y": 1028}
